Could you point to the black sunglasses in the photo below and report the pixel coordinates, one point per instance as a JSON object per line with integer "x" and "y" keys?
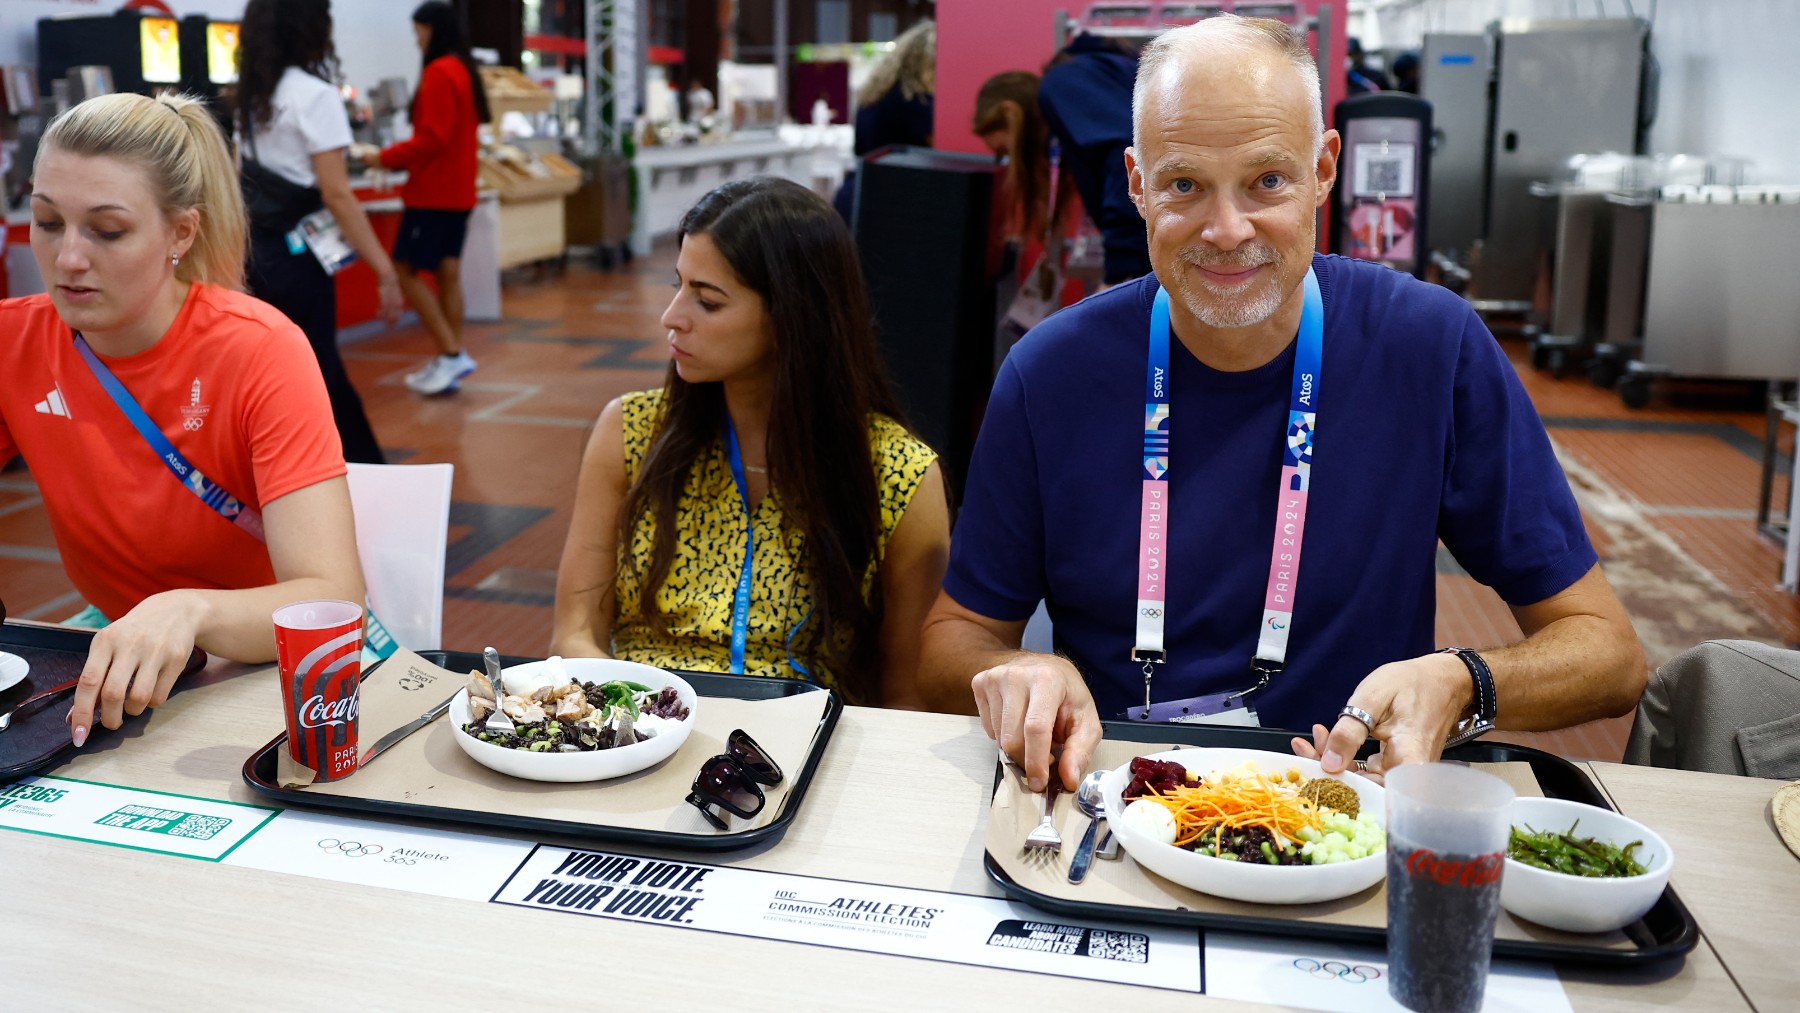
{"x": 730, "y": 780}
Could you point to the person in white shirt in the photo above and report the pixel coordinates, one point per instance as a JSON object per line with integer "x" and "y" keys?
{"x": 292, "y": 137}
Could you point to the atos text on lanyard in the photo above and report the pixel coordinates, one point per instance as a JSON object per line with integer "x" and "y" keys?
{"x": 1290, "y": 520}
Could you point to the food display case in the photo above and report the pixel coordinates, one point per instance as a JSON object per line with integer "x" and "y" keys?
{"x": 532, "y": 187}
{"x": 509, "y": 91}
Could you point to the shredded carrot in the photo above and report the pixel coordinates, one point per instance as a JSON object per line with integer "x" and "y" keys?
{"x": 1239, "y": 801}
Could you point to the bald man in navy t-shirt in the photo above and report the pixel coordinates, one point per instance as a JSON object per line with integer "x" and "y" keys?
{"x": 1156, "y": 493}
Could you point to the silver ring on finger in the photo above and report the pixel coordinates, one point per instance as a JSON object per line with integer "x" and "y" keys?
{"x": 1359, "y": 715}
{"x": 1362, "y": 766}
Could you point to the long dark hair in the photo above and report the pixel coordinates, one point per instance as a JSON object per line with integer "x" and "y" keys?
{"x": 1028, "y": 161}
{"x": 447, "y": 39}
{"x": 276, "y": 35}
{"x": 791, "y": 248}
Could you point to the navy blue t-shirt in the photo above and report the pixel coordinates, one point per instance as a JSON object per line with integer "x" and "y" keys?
{"x": 1423, "y": 432}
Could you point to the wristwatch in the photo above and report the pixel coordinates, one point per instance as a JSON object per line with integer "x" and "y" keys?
{"x": 1481, "y": 721}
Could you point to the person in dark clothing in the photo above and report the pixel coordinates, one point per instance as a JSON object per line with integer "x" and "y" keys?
{"x": 895, "y": 105}
{"x": 292, "y": 135}
{"x": 1085, "y": 96}
{"x": 1361, "y": 79}
{"x": 1406, "y": 72}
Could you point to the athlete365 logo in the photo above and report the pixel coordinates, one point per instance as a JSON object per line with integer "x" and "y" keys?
{"x": 30, "y": 793}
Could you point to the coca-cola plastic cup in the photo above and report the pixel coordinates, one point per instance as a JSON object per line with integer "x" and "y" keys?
{"x": 318, "y": 647}
{"x": 1446, "y": 841}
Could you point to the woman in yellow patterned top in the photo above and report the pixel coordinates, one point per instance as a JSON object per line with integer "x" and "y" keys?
{"x": 767, "y": 511}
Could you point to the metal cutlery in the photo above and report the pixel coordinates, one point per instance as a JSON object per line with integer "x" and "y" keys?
{"x": 6, "y": 718}
{"x": 1088, "y": 799}
{"x": 497, "y": 722}
{"x": 382, "y": 744}
{"x": 1045, "y": 837}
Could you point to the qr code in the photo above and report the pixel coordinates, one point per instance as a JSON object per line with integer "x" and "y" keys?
{"x": 200, "y": 828}
{"x": 1131, "y": 947}
{"x": 1385, "y": 175}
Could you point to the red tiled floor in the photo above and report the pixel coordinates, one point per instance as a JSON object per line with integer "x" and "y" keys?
{"x": 572, "y": 341}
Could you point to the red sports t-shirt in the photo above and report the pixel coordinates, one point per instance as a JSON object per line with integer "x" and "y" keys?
{"x": 233, "y": 385}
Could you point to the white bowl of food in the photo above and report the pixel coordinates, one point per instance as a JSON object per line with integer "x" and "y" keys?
{"x": 549, "y": 754}
{"x": 1346, "y": 856}
{"x": 1595, "y": 898}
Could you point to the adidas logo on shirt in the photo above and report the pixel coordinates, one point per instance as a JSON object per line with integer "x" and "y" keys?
{"x": 52, "y": 404}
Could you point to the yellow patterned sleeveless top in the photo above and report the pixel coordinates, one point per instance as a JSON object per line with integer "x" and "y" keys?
{"x": 696, "y": 597}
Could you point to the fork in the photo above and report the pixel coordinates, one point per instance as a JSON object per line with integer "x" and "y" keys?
{"x": 497, "y": 721}
{"x": 1044, "y": 837}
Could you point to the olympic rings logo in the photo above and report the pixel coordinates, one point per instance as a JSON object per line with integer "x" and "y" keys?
{"x": 349, "y": 849}
{"x": 1355, "y": 974}
{"x": 1153, "y": 613}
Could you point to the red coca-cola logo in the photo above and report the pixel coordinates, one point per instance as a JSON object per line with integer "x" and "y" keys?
{"x": 1482, "y": 870}
{"x": 316, "y": 713}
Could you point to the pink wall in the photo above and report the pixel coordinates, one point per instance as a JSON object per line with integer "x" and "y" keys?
{"x": 977, "y": 39}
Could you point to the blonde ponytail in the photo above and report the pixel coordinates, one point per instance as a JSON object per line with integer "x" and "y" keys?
{"x": 175, "y": 139}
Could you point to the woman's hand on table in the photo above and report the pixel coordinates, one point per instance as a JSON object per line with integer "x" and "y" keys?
{"x": 1033, "y": 703}
{"x": 133, "y": 664}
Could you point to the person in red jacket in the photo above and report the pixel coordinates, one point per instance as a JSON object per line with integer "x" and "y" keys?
{"x": 439, "y": 160}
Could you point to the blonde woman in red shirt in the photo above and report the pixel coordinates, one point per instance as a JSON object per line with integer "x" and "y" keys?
{"x": 178, "y": 429}
{"x": 439, "y": 160}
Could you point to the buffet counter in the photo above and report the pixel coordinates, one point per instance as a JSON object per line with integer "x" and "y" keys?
{"x": 671, "y": 179}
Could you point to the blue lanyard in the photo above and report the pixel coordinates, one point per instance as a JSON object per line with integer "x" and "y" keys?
{"x": 378, "y": 643}
{"x": 211, "y": 493}
{"x": 740, "y": 605}
{"x": 1290, "y": 517}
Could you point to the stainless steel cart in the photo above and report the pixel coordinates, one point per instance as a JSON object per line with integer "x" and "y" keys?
{"x": 1721, "y": 300}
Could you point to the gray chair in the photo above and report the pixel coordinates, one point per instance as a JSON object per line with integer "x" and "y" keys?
{"x": 1724, "y": 707}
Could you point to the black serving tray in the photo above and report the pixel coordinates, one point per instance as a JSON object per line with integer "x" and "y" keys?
{"x": 1665, "y": 932}
{"x": 39, "y": 738}
{"x": 260, "y": 775}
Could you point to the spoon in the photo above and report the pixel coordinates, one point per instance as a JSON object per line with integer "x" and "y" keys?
{"x": 1089, "y": 800}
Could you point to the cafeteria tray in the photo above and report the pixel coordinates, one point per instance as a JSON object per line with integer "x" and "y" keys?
{"x": 260, "y": 772}
{"x": 40, "y": 739}
{"x": 1666, "y": 931}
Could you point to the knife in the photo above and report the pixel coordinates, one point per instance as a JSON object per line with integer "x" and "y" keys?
{"x": 382, "y": 744}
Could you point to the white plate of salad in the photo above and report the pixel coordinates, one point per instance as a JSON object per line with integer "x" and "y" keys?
{"x": 1249, "y": 825}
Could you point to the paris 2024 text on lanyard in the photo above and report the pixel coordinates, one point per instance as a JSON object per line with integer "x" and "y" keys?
{"x": 1290, "y": 522}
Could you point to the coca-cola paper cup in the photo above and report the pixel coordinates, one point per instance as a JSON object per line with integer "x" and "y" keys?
{"x": 318, "y": 647}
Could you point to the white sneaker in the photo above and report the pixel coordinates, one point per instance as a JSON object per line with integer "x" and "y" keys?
{"x": 443, "y": 375}
{"x": 423, "y": 371}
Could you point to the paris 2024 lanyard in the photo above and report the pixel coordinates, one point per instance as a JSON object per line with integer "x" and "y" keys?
{"x": 1290, "y": 522}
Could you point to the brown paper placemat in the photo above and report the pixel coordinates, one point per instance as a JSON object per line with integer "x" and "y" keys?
{"x": 1016, "y": 810}
{"x": 428, "y": 768}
